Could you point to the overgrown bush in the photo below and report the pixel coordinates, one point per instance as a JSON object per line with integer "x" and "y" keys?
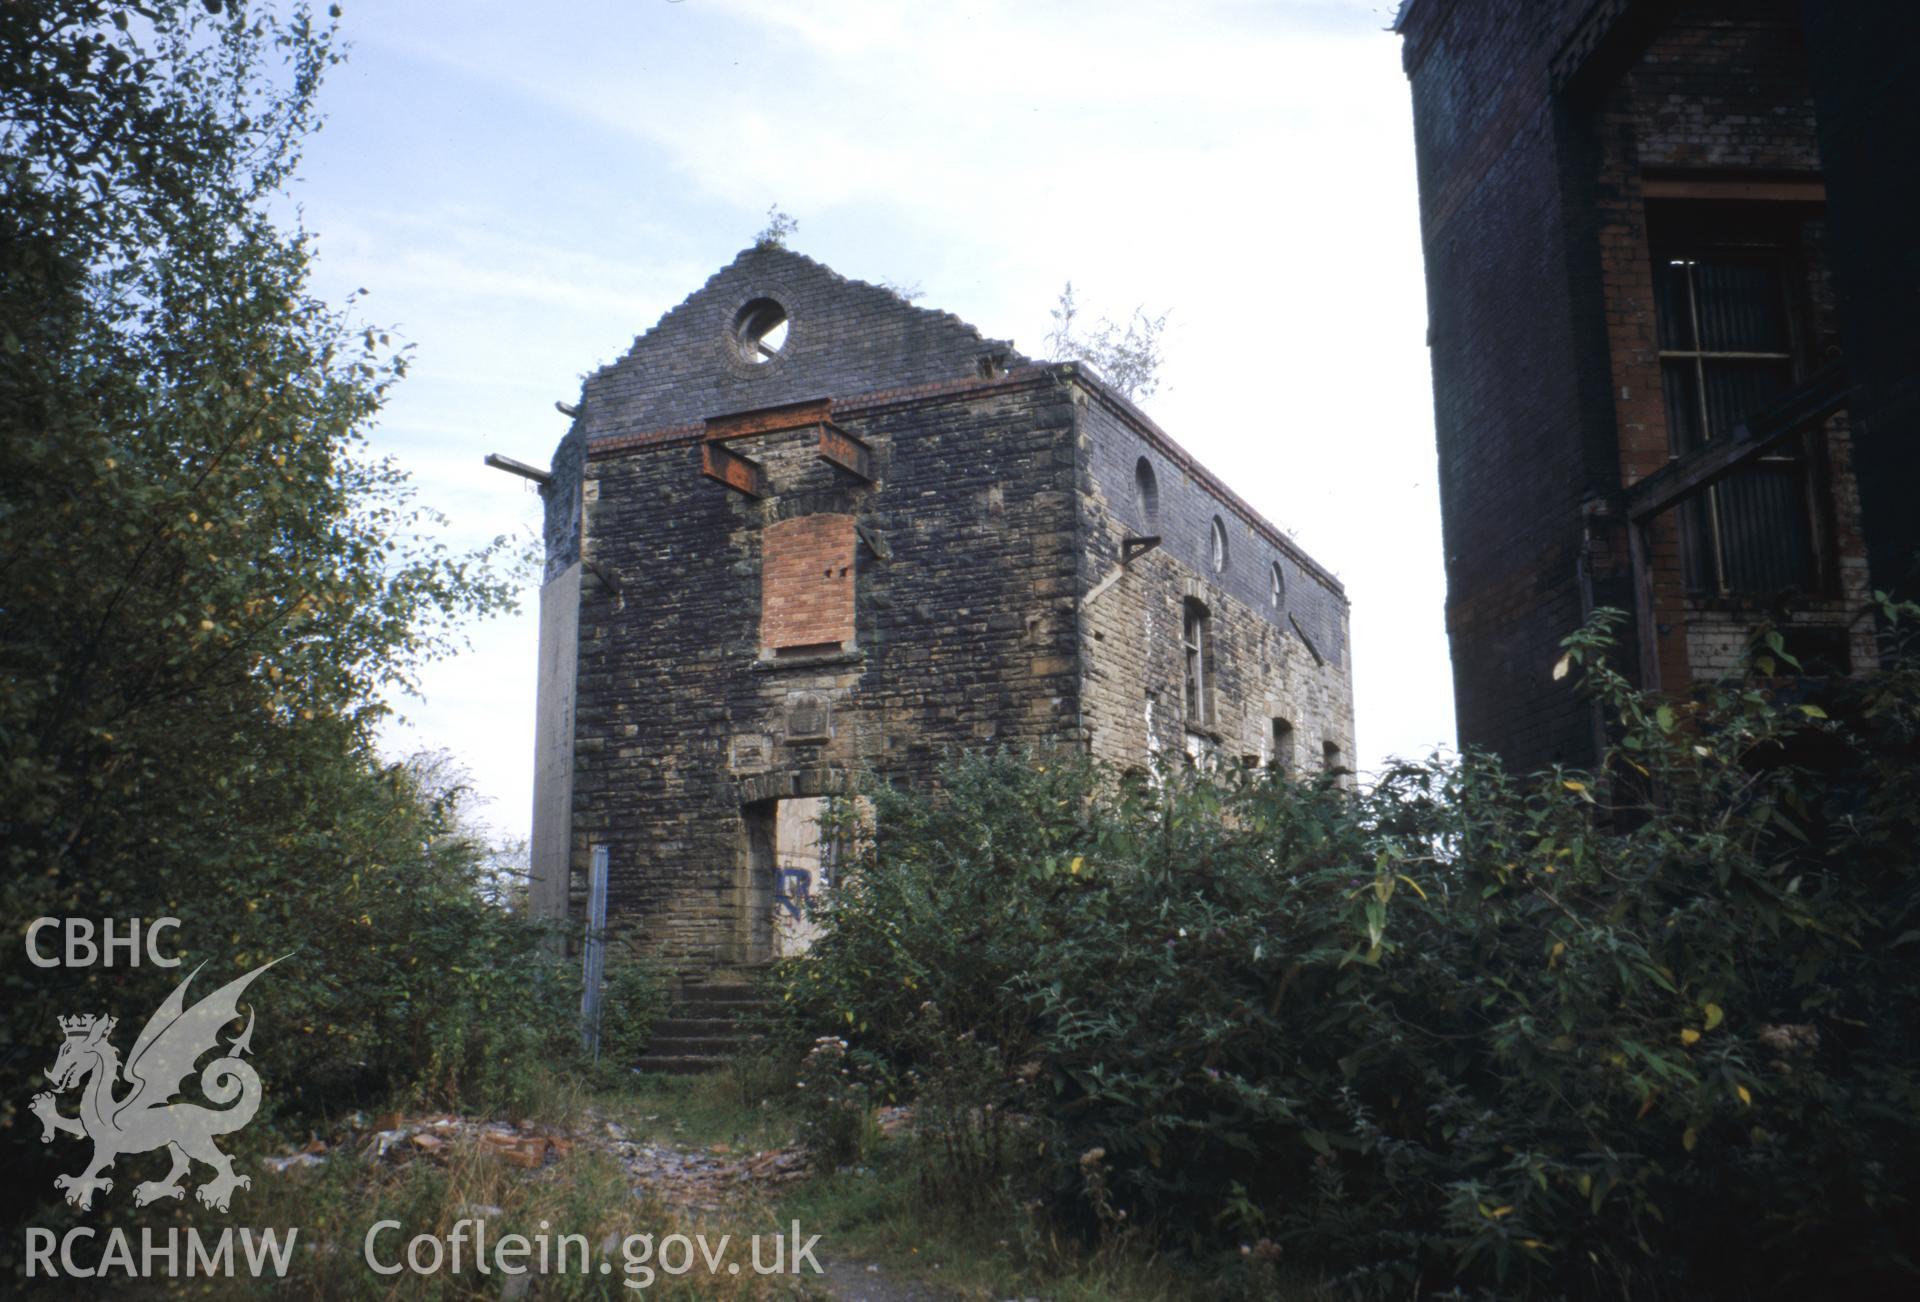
{"x": 1647, "y": 1031}
{"x": 634, "y": 997}
{"x": 966, "y": 1099}
{"x": 837, "y": 1089}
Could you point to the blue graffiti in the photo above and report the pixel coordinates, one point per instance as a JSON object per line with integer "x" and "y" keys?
{"x": 791, "y": 886}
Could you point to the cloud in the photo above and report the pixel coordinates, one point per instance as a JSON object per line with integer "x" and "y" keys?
{"x": 1244, "y": 163}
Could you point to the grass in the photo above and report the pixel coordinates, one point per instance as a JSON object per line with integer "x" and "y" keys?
{"x": 698, "y": 1111}
{"x": 999, "y": 1244}
{"x": 877, "y": 1212}
{"x": 585, "y": 1193}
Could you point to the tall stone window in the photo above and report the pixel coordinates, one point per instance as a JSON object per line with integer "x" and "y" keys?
{"x": 1726, "y": 354}
{"x": 806, "y": 585}
{"x": 1196, "y": 643}
{"x": 1217, "y": 549}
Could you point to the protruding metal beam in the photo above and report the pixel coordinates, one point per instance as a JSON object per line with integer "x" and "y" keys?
{"x": 519, "y": 468}
{"x": 839, "y": 448}
{"x": 769, "y": 420}
{"x": 733, "y": 470}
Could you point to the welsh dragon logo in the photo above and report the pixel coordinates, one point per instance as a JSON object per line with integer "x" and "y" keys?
{"x": 147, "y": 1117}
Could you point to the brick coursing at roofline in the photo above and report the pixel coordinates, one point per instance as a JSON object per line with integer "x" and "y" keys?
{"x": 1024, "y": 377}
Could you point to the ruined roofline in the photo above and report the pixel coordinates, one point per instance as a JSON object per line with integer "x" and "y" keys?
{"x": 1014, "y": 357}
{"x": 1034, "y": 373}
{"x": 1144, "y": 425}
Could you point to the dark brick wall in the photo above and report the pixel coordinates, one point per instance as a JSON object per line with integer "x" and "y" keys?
{"x": 1861, "y": 66}
{"x": 1518, "y": 388}
{"x": 1542, "y": 128}
{"x": 845, "y": 337}
{"x": 964, "y": 636}
{"x": 1719, "y": 90}
{"x": 716, "y": 664}
{"x": 1724, "y": 85}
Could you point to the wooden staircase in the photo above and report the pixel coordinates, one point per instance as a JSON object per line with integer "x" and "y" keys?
{"x": 702, "y": 1027}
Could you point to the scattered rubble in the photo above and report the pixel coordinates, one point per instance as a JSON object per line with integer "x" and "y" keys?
{"x": 701, "y": 1180}
{"x": 689, "y": 1178}
{"x": 695, "y": 1178}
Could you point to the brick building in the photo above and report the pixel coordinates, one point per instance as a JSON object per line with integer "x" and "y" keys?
{"x": 1672, "y": 274}
{"x": 804, "y": 530}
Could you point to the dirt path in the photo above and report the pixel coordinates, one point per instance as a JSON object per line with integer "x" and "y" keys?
{"x": 857, "y": 1281}
{"x": 687, "y": 1176}
{"x": 714, "y": 1177}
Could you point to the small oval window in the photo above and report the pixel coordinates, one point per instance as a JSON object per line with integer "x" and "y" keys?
{"x": 1219, "y": 545}
{"x": 760, "y": 331}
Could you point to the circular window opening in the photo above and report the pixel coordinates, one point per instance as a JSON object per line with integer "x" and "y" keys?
{"x": 1145, "y": 490}
{"x": 1219, "y": 545}
{"x": 1278, "y": 587}
{"x": 760, "y": 331}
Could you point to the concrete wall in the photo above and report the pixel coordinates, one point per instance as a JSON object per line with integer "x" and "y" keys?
{"x": 553, "y": 732}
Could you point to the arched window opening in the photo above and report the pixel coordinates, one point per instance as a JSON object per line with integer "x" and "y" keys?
{"x": 1146, "y": 491}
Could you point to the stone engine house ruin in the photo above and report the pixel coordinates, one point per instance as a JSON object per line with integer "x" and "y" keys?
{"x": 804, "y": 530}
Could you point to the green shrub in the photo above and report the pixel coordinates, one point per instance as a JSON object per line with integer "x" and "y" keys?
{"x": 634, "y": 997}
{"x": 1645, "y": 1031}
{"x": 966, "y": 1101}
{"x": 836, "y": 1100}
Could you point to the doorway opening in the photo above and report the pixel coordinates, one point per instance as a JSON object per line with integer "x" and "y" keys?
{"x": 788, "y": 871}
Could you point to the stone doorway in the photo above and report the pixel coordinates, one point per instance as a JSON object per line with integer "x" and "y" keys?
{"x": 787, "y": 866}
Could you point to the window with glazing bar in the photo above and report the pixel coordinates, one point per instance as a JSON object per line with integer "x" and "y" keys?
{"x": 1726, "y": 355}
{"x": 1194, "y": 635}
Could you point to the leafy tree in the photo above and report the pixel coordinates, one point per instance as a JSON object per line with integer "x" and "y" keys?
{"x": 207, "y": 584}
{"x": 1126, "y": 357}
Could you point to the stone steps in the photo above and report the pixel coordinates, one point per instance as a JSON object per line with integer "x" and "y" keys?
{"x": 702, "y": 1027}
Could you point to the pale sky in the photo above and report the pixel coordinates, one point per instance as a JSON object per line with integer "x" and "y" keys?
{"x": 522, "y": 189}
